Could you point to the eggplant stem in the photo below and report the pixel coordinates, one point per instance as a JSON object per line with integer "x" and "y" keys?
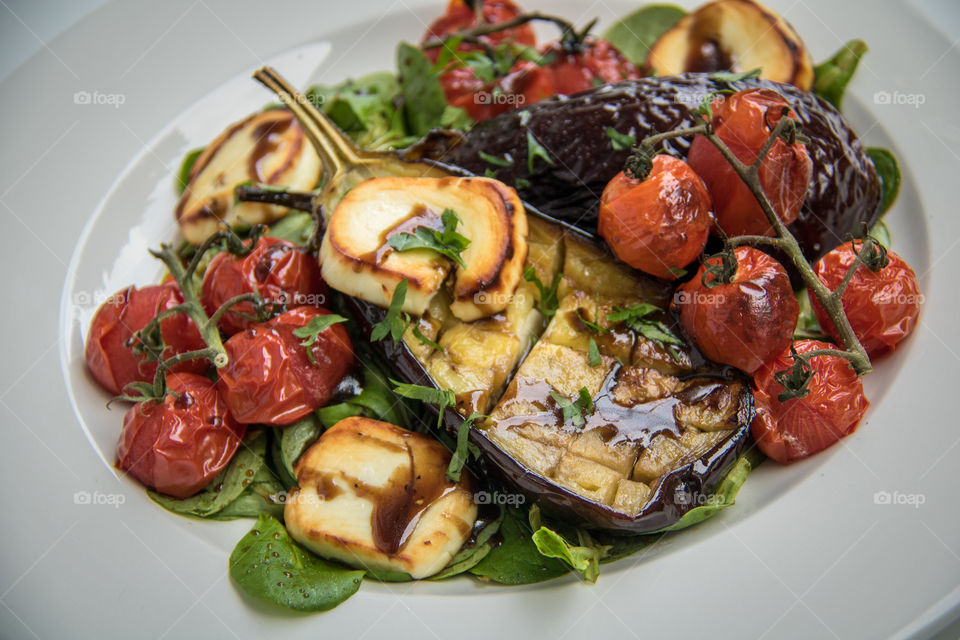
{"x": 337, "y": 152}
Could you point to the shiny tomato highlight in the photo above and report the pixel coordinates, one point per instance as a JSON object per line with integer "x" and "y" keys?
{"x": 744, "y": 323}
{"x": 882, "y": 306}
{"x": 743, "y": 121}
{"x": 269, "y": 378}
{"x": 800, "y": 427}
{"x": 178, "y": 445}
{"x": 659, "y": 225}
{"x": 276, "y": 269}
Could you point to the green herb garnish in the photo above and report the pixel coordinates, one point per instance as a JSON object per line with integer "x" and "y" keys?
{"x": 635, "y": 317}
{"x": 424, "y": 340}
{"x": 447, "y": 242}
{"x": 548, "y": 295}
{"x": 459, "y": 458}
{"x": 535, "y": 150}
{"x": 594, "y": 358}
{"x": 574, "y": 410}
{"x": 443, "y": 398}
{"x": 394, "y": 324}
{"x": 496, "y": 161}
{"x": 313, "y": 329}
{"x": 620, "y": 141}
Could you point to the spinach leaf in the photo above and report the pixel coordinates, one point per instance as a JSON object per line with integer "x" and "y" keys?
{"x": 295, "y": 227}
{"x": 635, "y": 33}
{"x": 227, "y": 486}
{"x": 889, "y": 173}
{"x": 808, "y": 328}
{"x": 726, "y": 493}
{"x": 832, "y": 76}
{"x": 516, "y": 559}
{"x": 262, "y": 497}
{"x": 296, "y": 438}
{"x": 424, "y": 103}
{"x": 881, "y": 233}
{"x": 183, "y": 175}
{"x": 268, "y": 565}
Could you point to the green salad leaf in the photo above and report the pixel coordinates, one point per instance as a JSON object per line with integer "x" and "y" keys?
{"x": 474, "y": 551}
{"x": 808, "y": 328}
{"x": 889, "y": 173}
{"x": 635, "y": 33}
{"x": 620, "y": 141}
{"x": 459, "y": 457}
{"x": 267, "y": 564}
{"x": 516, "y": 559}
{"x": 424, "y": 103}
{"x": 584, "y": 558}
{"x": 296, "y": 438}
{"x": 832, "y": 76}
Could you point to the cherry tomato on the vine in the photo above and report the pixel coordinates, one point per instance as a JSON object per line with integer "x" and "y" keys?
{"x": 746, "y": 322}
{"x": 108, "y": 347}
{"x": 882, "y": 306}
{"x": 276, "y": 269}
{"x": 179, "y": 444}
{"x": 658, "y": 225}
{"x": 270, "y": 379}
{"x": 800, "y": 427}
{"x": 743, "y": 121}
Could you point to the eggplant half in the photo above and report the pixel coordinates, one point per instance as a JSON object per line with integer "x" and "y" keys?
{"x": 844, "y": 190}
{"x": 659, "y": 426}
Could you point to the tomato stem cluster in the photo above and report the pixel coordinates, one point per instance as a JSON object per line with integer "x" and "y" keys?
{"x": 786, "y": 128}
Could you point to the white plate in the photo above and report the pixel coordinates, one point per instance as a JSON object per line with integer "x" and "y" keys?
{"x": 807, "y": 552}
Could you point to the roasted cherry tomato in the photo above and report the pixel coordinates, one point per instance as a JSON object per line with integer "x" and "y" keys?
{"x": 459, "y": 16}
{"x": 598, "y": 63}
{"x": 744, "y": 323}
{"x": 526, "y": 83}
{"x": 270, "y": 378}
{"x": 792, "y": 430}
{"x": 107, "y": 351}
{"x": 743, "y": 121}
{"x": 179, "y": 444}
{"x": 659, "y": 225}
{"x": 276, "y": 269}
{"x": 882, "y": 306}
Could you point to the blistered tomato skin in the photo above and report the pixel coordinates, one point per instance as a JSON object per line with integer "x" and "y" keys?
{"x": 276, "y": 269}
{"x": 178, "y": 445}
{"x": 269, "y": 378}
{"x": 659, "y": 225}
{"x": 800, "y": 427}
{"x": 460, "y": 16}
{"x": 744, "y": 323}
{"x": 599, "y": 63}
{"x": 743, "y": 121}
{"x": 882, "y": 306}
{"x": 107, "y": 352}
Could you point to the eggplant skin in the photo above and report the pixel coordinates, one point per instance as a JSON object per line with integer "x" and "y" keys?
{"x": 844, "y": 191}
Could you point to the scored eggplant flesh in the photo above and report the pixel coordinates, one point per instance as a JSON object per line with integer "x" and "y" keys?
{"x": 666, "y": 425}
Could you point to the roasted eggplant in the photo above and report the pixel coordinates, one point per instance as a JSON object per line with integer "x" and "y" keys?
{"x": 664, "y": 425}
{"x": 844, "y": 191}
